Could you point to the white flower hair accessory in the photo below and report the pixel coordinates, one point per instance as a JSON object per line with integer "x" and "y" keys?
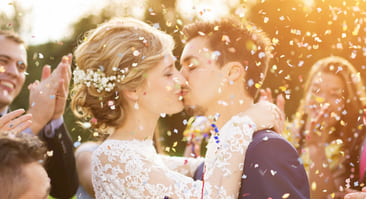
{"x": 98, "y": 79}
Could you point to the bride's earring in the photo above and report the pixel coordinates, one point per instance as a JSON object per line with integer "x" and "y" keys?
{"x": 136, "y": 105}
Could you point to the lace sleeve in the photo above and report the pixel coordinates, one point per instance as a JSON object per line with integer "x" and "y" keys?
{"x": 134, "y": 175}
{"x": 224, "y": 160}
{"x": 121, "y": 171}
{"x": 183, "y": 165}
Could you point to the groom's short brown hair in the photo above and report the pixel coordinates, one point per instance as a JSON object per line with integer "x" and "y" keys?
{"x": 236, "y": 41}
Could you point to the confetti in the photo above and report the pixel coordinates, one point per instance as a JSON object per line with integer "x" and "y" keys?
{"x": 76, "y": 144}
{"x": 50, "y": 153}
{"x": 86, "y": 125}
{"x": 266, "y": 20}
{"x": 215, "y": 55}
{"x": 136, "y": 53}
{"x": 313, "y": 186}
{"x": 225, "y": 38}
{"x": 285, "y": 196}
{"x": 223, "y": 103}
{"x": 257, "y": 85}
{"x": 201, "y": 33}
{"x": 174, "y": 144}
{"x": 262, "y": 172}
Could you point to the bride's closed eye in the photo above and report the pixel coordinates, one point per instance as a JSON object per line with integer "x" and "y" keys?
{"x": 168, "y": 75}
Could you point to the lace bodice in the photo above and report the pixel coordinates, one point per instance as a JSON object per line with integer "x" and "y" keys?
{"x": 133, "y": 169}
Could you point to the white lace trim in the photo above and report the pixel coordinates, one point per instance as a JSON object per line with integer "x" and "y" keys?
{"x": 133, "y": 169}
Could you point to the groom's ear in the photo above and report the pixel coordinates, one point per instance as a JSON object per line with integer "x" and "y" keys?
{"x": 234, "y": 71}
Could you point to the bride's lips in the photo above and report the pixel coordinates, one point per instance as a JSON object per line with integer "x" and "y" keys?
{"x": 184, "y": 91}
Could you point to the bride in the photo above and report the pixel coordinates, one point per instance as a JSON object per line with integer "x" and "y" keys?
{"x": 125, "y": 78}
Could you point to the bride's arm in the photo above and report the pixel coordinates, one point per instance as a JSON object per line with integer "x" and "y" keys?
{"x": 184, "y": 165}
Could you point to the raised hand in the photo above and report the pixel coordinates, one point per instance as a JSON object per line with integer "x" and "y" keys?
{"x": 48, "y": 98}
{"x": 63, "y": 90}
{"x": 313, "y": 136}
{"x": 15, "y": 122}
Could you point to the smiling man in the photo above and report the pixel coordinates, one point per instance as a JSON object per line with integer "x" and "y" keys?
{"x": 47, "y": 103}
{"x": 13, "y": 58}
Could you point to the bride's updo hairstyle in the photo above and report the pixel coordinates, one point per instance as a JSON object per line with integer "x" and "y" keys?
{"x": 113, "y": 57}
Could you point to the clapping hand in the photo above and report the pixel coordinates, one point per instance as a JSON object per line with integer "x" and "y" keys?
{"x": 63, "y": 90}
{"x": 48, "y": 97}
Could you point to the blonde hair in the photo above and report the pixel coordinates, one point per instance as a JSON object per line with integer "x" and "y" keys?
{"x": 355, "y": 96}
{"x": 352, "y": 130}
{"x": 124, "y": 44}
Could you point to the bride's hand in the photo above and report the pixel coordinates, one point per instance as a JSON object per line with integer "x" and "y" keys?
{"x": 266, "y": 95}
{"x": 266, "y": 116}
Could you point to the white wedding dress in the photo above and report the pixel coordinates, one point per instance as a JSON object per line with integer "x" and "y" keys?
{"x": 133, "y": 169}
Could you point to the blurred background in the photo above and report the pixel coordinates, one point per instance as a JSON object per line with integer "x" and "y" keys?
{"x": 302, "y": 31}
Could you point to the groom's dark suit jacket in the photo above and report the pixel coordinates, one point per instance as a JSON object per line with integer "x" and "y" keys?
{"x": 272, "y": 169}
{"x": 60, "y": 166}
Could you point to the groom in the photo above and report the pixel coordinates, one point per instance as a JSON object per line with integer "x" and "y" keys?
{"x": 225, "y": 63}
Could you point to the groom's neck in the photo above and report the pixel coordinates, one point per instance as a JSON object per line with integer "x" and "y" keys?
{"x": 229, "y": 109}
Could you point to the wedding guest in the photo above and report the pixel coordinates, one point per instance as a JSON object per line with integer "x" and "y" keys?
{"x": 47, "y": 102}
{"x": 328, "y": 127}
{"x": 22, "y": 175}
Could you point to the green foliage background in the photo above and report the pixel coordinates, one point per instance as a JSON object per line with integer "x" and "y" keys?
{"x": 287, "y": 21}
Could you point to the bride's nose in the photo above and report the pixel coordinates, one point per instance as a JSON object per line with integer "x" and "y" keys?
{"x": 179, "y": 79}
